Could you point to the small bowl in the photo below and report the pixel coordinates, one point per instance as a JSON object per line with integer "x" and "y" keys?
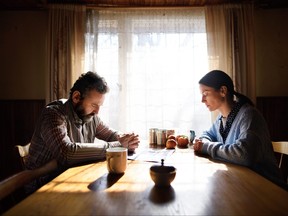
{"x": 162, "y": 175}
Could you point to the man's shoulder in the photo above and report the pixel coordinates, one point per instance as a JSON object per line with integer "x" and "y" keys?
{"x": 56, "y": 106}
{"x": 59, "y": 102}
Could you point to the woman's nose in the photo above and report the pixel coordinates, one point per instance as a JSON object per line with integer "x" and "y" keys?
{"x": 203, "y": 99}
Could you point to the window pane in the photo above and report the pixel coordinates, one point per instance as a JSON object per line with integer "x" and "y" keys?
{"x": 153, "y": 73}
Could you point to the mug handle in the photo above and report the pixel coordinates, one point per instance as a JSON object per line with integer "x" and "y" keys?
{"x": 108, "y": 161}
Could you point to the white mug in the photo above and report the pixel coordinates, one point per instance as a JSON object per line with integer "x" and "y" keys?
{"x": 116, "y": 159}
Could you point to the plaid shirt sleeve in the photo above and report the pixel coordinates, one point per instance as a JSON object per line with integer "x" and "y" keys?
{"x": 57, "y": 136}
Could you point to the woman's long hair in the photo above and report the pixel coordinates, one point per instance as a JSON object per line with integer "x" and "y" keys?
{"x": 217, "y": 78}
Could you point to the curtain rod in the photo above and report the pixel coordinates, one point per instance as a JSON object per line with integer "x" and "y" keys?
{"x": 139, "y": 8}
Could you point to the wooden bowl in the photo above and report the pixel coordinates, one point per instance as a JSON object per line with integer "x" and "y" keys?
{"x": 162, "y": 175}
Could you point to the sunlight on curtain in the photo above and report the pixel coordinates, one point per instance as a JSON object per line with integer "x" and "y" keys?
{"x": 65, "y": 48}
{"x": 152, "y": 61}
{"x": 230, "y": 39}
{"x": 231, "y": 46}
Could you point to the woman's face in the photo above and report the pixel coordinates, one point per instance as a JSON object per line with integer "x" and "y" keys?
{"x": 212, "y": 98}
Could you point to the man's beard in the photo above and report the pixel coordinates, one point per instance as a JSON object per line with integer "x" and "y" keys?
{"x": 81, "y": 114}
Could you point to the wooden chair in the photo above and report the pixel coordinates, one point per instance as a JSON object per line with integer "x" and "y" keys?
{"x": 281, "y": 147}
{"x": 9, "y": 185}
{"x": 23, "y": 152}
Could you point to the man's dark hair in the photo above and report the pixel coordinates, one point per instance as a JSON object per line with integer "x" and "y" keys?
{"x": 89, "y": 81}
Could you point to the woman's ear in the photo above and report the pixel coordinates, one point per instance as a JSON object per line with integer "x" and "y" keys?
{"x": 76, "y": 96}
{"x": 223, "y": 91}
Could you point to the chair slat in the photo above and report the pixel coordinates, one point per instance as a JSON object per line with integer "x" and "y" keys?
{"x": 11, "y": 184}
{"x": 23, "y": 152}
{"x": 281, "y": 147}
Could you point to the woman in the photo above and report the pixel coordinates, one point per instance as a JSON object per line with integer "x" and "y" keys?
{"x": 240, "y": 134}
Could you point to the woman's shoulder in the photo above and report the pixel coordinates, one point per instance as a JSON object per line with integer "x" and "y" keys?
{"x": 248, "y": 108}
{"x": 250, "y": 111}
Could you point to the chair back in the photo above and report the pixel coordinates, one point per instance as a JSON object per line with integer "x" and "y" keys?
{"x": 18, "y": 180}
{"x": 281, "y": 147}
{"x": 23, "y": 152}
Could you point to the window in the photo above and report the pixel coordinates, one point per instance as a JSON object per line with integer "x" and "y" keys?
{"x": 152, "y": 61}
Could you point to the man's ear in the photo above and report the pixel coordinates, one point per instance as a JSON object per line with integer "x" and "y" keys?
{"x": 76, "y": 96}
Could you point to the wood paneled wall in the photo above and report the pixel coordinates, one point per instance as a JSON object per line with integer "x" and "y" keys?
{"x": 18, "y": 119}
{"x": 275, "y": 111}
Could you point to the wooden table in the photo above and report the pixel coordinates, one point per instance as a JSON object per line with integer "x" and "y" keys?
{"x": 201, "y": 187}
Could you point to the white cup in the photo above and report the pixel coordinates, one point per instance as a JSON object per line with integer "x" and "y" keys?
{"x": 116, "y": 159}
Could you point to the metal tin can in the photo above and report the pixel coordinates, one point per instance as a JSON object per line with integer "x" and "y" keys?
{"x": 152, "y": 136}
{"x": 161, "y": 136}
{"x": 169, "y": 132}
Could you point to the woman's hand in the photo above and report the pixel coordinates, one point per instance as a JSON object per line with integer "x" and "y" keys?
{"x": 129, "y": 141}
{"x": 198, "y": 144}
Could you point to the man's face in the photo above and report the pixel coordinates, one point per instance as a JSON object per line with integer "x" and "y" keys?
{"x": 87, "y": 107}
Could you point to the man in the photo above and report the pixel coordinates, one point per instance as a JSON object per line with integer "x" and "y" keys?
{"x": 71, "y": 132}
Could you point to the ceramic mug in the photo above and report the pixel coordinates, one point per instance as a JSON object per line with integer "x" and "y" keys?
{"x": 116, "y": 159}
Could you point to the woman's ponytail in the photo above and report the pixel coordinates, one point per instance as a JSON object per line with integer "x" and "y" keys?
{"x": 243, "y": 99}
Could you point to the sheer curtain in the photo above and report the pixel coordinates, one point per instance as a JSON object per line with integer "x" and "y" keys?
{"x": 65, "y": 47}
{"x": 230, "y": 33}
{"x": 152, "y": 61}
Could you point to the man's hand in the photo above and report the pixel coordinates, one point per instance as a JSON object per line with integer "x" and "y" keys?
{"x": 129, "y": 141}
